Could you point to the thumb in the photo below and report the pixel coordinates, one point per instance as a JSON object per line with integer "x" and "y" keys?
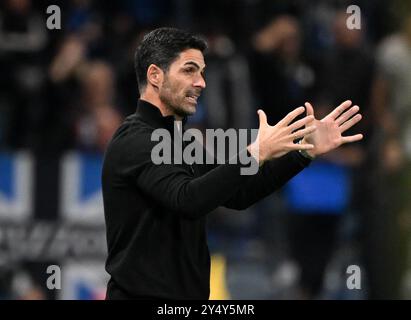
{"x": 309, "y": 108}
{"x": 262, "y": 117}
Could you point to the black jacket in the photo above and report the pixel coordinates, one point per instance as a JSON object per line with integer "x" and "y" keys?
{"x": 156, "y": 214}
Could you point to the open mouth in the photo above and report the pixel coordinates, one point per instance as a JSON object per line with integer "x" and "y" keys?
{"x": 192, "y": 98}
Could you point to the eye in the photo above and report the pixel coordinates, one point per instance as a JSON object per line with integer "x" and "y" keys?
{"x": 189, "y": 70}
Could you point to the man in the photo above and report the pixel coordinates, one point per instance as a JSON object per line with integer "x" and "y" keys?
{"x": 156, "y": 214}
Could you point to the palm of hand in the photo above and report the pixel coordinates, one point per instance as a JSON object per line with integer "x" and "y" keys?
{"x": 328, "y": 135}
{"x": 326, "y": 138}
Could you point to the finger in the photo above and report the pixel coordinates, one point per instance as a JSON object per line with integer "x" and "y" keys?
{"x": 348, "y": 124}
{"x": 302, "y": 146}
{"x": 347, "y": 115}
{"x": 350, "y": 139}
{"x": 303, "y": 132}
{"x": 309, "y": 108}
{"x": 337, "y": 111}
{"x": 291, "y": 116}
{"x": 300, "y": 123}
{"x": 262, "y": 117}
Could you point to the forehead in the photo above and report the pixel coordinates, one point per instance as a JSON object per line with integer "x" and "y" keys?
{"x": 192, "y": 55}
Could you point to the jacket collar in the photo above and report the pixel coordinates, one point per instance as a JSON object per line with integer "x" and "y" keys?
{"x": 153, "y": 116}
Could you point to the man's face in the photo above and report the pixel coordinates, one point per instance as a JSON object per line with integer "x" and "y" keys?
{"x": 183, "y": 83}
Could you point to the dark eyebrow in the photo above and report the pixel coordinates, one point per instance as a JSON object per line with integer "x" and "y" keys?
{"x": 193, "y": 64}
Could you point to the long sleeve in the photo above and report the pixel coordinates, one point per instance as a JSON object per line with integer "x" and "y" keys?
{"x": 174, "y": 187}
{"x": 271, "y": 177}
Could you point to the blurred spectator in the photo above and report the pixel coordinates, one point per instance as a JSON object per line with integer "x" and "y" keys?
{"x": 90, "y": 112}
{"x": 23, "y": 39}
{"x": 96, "y": 118}
{"x": 347, "y": 73}
{"x": 282, "y": 79}
{"x": 22, "y": 29}
{"x": 347, "y": 68}
{"x": 392, "y": 102}
{"x": 227, "y": 102}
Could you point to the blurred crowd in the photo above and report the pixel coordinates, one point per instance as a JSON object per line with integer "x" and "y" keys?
{"x": 71, "y": 88}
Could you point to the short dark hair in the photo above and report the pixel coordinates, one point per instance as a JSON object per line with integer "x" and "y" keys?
{"x": 161, "y": 47}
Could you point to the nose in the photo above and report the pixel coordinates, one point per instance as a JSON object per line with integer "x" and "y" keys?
{"x": 200, "y": 82}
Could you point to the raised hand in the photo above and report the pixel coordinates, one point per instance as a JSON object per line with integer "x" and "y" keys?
{"x": 276, "y": 141}
{"x": 328, "y": 135}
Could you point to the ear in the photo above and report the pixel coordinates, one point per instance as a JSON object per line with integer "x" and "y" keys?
{"x": 155, "y": 75}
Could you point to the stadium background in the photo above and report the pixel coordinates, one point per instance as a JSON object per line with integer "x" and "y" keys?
{"x": 64, "y": 92}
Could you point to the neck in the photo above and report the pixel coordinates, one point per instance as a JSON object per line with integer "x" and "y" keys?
{"x": 155, "y": 100}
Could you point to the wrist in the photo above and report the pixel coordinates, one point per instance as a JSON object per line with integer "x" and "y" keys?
{"x": 254, "y": 150}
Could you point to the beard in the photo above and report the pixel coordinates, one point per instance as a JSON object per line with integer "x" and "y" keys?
{"x": 176, "y": 100}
